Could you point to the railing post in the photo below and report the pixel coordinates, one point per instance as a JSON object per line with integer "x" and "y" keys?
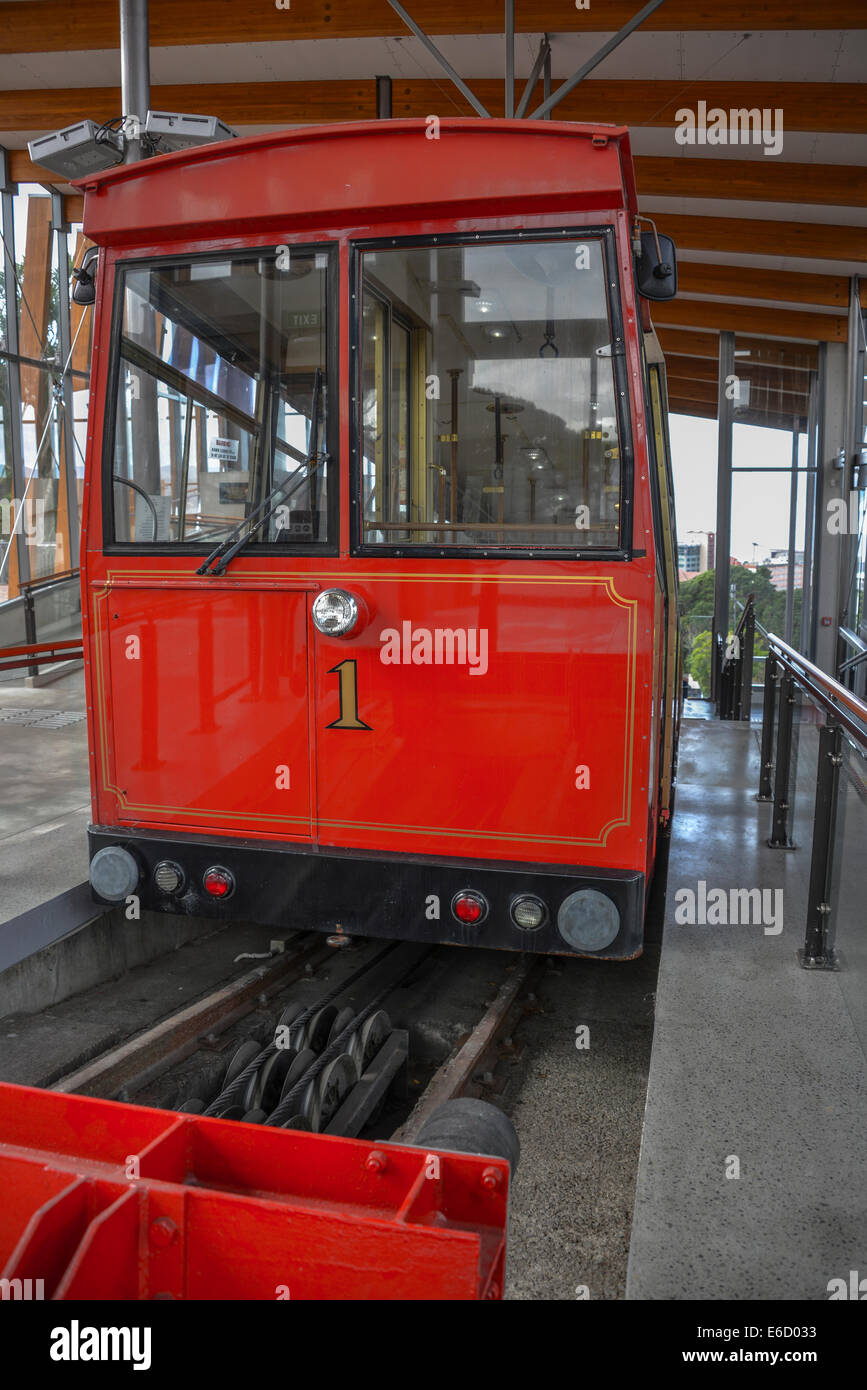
{"x": 30, "y": 625}
{"x": 745, "y": 700}
{"x": 782, "y": 778}
{"x": 768, "y": 712}
{"x": 818, "y": 952}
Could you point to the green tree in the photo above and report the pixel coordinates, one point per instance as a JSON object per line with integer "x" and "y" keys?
{"x": 696, "y": 608}
{"x": 699, "y": 662}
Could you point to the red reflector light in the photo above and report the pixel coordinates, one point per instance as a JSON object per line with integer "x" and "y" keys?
{"x": 469, "y": 908}
{"x": 219, "y": 883}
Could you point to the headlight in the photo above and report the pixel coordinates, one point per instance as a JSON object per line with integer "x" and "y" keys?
{"x": 335, "y": 612}
{"x": 588, "y": 920}
{"x": 114, "y": 873}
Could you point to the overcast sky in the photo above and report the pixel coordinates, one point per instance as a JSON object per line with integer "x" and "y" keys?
{"x": 760, "y": 501}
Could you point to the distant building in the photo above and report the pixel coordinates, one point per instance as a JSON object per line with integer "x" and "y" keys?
{"x": 695, "y": 554}
{"x": 778, "y": 564}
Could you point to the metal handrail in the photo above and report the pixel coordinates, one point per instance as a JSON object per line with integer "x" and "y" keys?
{"x": 853, "y": 640}
{"x": 34, "y": 654}
{"x": 61, "y": 578}
{"x": 828, "y": 690}
{"x": 760, "y": 625}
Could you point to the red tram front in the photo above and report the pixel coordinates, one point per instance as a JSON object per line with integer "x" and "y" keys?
{"x": 378, "y": 561}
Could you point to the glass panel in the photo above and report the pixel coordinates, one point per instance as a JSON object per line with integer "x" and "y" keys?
{"x": 222, "y": 369}
{"x": 847, "y": 883}
{"x": 7, "y": 490}
{"x": 41, "y": 435}
{"x": 488, "y": 397}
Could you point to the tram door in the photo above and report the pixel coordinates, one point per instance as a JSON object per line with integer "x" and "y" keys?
{"x": 485, "y": 705}
{"x": 219, "y": 504}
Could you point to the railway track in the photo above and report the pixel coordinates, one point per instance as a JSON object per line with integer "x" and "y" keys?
{"x": 333, "y": 1061}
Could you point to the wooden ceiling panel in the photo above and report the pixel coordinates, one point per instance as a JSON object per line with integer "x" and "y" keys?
{"x": 692, "y": 343}
{"x": 752, "y": 180}
{"x": 706, "y": 369}
{"x": 826, "y": 106}
{"x": 811, "y": 241}
{"x": 732, "y": 317}
{"x": 58, "y": 26}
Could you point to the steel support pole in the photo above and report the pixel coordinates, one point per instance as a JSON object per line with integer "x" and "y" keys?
{"x": 793, "y": 522}
{"x": 383, "y": 98}
{"x": 509, "y": 31}
{"x": 722, "y": 551}
{"x": 64, "y": 343}
{"x": 614, "y": 42}
{"x": 13, "y": 379}
{"x": 135, "y": 73}
{"x": 855, "y": 348}
{"x": 807, "y": 642}
{"x": 546, "y": 81}
{"x": 443, "y": 61}
{"x": 818, "y": 952}
{"x": 784, "y": 774}
{"x": 543, "y": 59}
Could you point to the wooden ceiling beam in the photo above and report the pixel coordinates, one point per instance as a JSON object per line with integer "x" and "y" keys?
{"x": 751, "y": 180}
{"x": 814, "y": 106}
{"x": 56, "y": 26}
{"x": 686, "y": 388}
{"x": 749, "y": 318}
{"x": 681, "y": 405}
{"x": 693, "y": 343}
{"x": 752, "y": 282}
{"x": 706, "y": 369}
{"x": 704, "y": 411}
{"x": 749, "y": 236}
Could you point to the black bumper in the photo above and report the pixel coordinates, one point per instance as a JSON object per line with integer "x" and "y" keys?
{"x": 370, "y": 894}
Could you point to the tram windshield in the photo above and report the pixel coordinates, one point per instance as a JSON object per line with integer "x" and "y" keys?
{"x": 488, "y": 402}
{"x": 216, "y": 398}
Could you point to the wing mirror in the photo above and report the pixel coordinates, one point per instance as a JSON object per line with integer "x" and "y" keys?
{"x": 84, "y": 277}
{"x": 655, "y": 265}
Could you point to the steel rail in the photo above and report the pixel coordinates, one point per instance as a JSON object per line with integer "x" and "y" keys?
{"x": 456, "y": 1074}
{"x": 142, "y": 1058}
{"x": 823, "y": 687}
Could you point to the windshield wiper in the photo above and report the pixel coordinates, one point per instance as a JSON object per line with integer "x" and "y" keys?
{"x": 223, "y": 554}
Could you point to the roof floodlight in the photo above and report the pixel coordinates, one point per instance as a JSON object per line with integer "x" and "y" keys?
{"x": 176, "y": 131}
{"x": 85, "y": 148}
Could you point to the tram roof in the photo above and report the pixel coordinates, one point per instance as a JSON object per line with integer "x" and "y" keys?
{"x": 361, "y": 172}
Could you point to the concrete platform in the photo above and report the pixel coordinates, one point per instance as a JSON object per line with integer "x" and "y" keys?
{"x": 753, "y": 1058}
{"x": 45, "y": 802}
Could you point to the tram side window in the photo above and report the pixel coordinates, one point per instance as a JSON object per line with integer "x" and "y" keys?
{"x": 222, "y": 396}
{"x": 488, "y": 400}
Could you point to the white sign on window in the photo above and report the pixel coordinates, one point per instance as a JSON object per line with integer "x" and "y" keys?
{"x": 226, "y": 450}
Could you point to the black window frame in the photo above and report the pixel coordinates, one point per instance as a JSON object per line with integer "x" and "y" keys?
{"x": 284, "y": 549}
{"x": 605, "y": 234}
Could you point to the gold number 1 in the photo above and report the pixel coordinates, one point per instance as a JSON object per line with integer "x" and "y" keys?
{"x": 348, "y": 673}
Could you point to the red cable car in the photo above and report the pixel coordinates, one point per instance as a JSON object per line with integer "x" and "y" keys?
{"x": 379, "y": 558}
